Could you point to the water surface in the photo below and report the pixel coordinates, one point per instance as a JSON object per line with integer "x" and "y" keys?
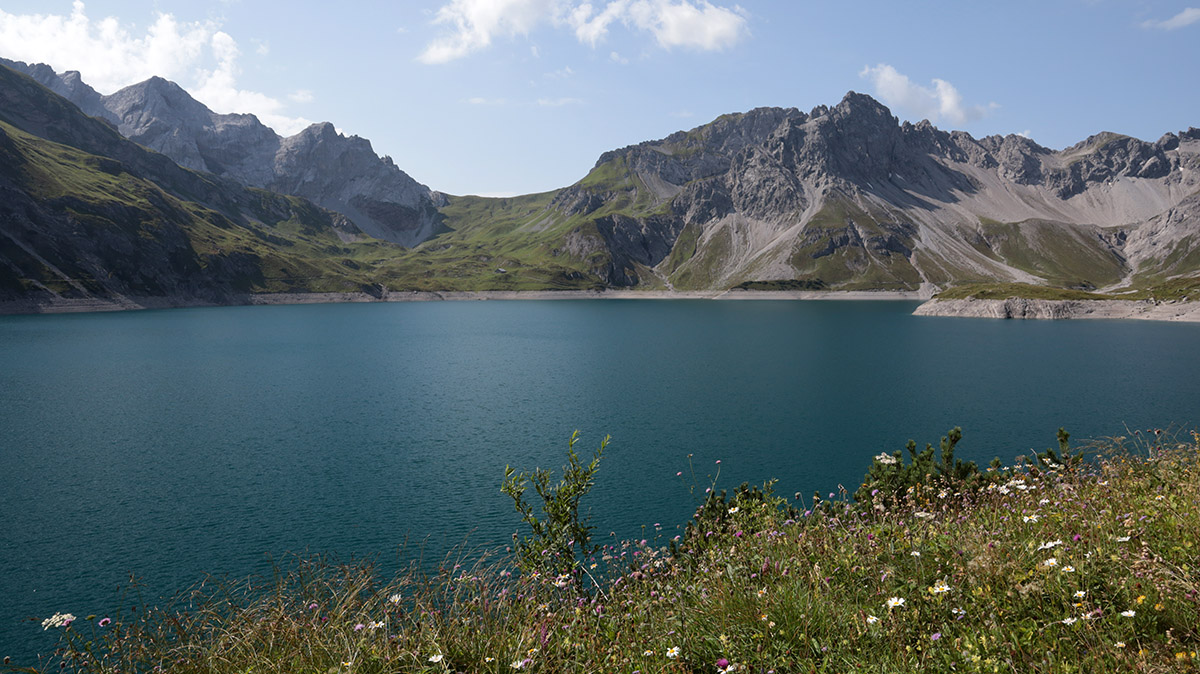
{"x": 170, "y": 444}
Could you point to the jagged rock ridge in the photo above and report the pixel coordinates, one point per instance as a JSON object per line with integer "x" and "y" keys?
{"x": 337, "y": 172}
{"x": 852, "y": 198}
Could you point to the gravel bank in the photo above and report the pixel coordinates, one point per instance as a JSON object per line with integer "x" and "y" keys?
{"x": 63, "y": 305}
{"x": 1015, "y": 307}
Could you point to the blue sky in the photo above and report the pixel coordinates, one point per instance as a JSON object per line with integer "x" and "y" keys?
{"x": 505, "y": 97}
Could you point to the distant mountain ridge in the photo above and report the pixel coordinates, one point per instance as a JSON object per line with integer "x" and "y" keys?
{"x": 336, "y": 172}
{"x": 89, "y": 219}
{"x": 839, "y": 198}
{"x": 850, "y": 197}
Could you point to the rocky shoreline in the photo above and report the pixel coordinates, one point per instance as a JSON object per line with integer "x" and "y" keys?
{"x": 60, "y": 305}
{"x": 1013, "y": 307}
{"x": 1017, "y": 307}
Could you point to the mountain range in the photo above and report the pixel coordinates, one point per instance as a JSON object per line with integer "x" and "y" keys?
{"x": 838, "y": 198}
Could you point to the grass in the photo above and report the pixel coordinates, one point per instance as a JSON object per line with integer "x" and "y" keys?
{"x": 1083, "y": 566}
{"x": 1000, "y": 291}
{"x": 784, "y": 284}
{"x": 831, "y": 250}
{"x": 1178, "y": 290}
{"x": 1065, "y": 256}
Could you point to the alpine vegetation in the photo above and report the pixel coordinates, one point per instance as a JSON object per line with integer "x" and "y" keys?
{"x": 1057, "y": 563}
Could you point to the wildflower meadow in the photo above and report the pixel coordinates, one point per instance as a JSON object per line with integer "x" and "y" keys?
{"x": 1058, "y": 563}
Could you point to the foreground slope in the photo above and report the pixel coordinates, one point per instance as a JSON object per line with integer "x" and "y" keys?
{"x": 1053, "y": 565}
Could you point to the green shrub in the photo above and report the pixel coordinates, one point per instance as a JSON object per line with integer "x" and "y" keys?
{"x": 890, "y": 480}
{"x": 751, "y": 510}
{"x": 558, "y": 535}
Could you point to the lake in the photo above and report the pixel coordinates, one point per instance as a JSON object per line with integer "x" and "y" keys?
{"x": 171, "y": 444}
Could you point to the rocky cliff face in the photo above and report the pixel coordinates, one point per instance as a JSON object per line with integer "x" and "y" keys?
{"x": 336, "y": 172}
{"x": 1022, "y": 308}
{"x": 345, "y": 175}
{"x": 850, "y": 197}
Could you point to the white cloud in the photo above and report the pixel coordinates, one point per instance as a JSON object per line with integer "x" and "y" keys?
{"x": 941, "y": 102}
{"x": 301, "y": 96}
{"x": 693, "y": 24}
{"x": 617, "y": 58}
{"x": 1187, "y": 17}
{"x": 197, "y": 55}
{"x": 479, "y": 100}
{"x": 560, "y": 74}
{"x": 1024, "y": 134}
{"x": 682, "y": 24}
{"x": 592, "y": 28}
{"x": 104, "y": 51}
{"x": 474, "y": 22}
{"x": 217, "y": 88}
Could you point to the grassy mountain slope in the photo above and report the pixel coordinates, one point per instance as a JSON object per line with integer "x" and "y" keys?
{"x": 81, "y": 225}
{"x": 87, "y": 214}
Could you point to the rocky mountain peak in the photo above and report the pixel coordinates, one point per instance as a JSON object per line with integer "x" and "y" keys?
{"x": 854, "y": 141}
{"x": 325, "y": 131}
{"x": 160, "y": 100}
{"x": 337, "y": 172}
{"x": 69, "y": 85}
{"x": 862, "y": 107}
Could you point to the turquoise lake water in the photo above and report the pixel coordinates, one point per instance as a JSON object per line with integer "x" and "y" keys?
{"x": 171, "y": 444}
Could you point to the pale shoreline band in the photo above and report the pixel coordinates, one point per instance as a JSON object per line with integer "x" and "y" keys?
{"x": 1009, "y": 308}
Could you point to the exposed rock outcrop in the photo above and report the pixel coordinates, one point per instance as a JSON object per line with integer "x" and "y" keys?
{"x": 1015, "y": 307}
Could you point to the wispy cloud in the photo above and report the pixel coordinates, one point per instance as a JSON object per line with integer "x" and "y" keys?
{"x": 558, "y": 102}
{"x": 939, "y": 102}
{"x": 1187, "y": 17}
{"x": 473, "y": 23}
{"x": 198, "y": 55}
{"x": 693, "y": 24}
{"x": 682, "y": 24}
{"x": 479, "y": 100}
